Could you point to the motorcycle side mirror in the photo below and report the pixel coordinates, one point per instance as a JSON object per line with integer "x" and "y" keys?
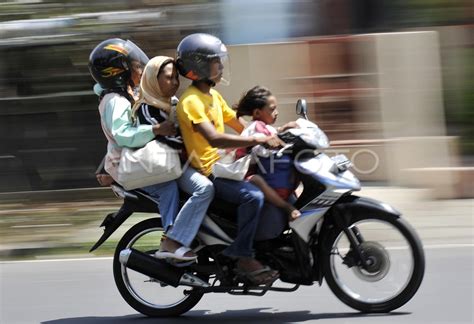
{"x": 301, "y": 108}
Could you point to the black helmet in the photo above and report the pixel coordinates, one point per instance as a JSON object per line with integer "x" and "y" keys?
{"x": 195, "y": 53}
{"x": 110, "y": 63}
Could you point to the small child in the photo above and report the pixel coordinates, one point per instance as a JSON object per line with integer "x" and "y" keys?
{"x": 276, "y": 181}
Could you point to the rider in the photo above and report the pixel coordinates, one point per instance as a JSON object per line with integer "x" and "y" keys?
{"x": 202, "y": 113}
{"x": 117, "y": 65}
{"x": 157, "y": 104}
{"x": 273, "y": 175}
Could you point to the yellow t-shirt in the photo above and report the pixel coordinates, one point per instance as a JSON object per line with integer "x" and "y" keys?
{"x": 194, "y": 108}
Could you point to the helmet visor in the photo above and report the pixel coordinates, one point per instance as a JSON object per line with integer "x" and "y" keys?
{"x": 219, "y": 69}
{"x": 136, "y": 56}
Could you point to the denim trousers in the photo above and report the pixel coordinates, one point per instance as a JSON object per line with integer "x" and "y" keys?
{"x": 191, "y": 215}
{"x": 250, "y": 201}
{"x": 166, "y": 194}
{"x": 272, "y": 223}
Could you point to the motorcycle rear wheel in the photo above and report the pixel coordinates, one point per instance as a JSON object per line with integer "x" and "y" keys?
{"x": 396, "y": 270}
{"x": 144, "y": 294}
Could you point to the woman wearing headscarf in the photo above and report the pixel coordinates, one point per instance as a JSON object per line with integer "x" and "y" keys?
{"x": 157, "y": 106}
{"x": 117, "y": 66}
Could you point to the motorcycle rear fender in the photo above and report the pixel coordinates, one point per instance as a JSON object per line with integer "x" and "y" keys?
{"x": 133, "y": 202}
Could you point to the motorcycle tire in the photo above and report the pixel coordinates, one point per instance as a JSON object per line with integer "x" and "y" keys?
{"x": 413, "y": 280}
{"x": 124, "y": 286}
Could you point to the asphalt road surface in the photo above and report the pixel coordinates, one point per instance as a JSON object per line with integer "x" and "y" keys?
{"x": 83, "y": 292}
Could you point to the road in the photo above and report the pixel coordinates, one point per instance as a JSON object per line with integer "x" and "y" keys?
{"x": 83, "y": 292}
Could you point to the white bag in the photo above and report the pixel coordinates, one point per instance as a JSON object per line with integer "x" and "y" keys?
{"x": 311, "y": 134}
{"x": 233, "y": 171}
{"x": 154, "y": 163}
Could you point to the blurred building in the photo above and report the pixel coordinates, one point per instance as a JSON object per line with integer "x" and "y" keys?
{"x": 330, "y": 52}
{"x": 49, "y": 130}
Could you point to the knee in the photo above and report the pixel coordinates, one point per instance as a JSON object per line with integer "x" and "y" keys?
{"x": 205, "y": 191}
{"x": 254, "y": 196}
{"x": 208, "y": 191}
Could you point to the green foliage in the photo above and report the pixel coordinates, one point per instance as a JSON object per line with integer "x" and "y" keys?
{"x": 430, "y": 12}
{"x": 459, "y": 99}
{"x": 466, "y": 115}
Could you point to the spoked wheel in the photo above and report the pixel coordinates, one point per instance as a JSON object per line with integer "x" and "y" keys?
{"x": 394, "y": 270}
{"x": 147, "y": 295}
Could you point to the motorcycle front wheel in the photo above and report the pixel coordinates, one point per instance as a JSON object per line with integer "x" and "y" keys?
{"x": 395, "y": 266}
{"x": 147, "y": 295}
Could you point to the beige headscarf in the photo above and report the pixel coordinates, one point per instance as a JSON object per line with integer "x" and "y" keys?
{"x": 150, "y": 92}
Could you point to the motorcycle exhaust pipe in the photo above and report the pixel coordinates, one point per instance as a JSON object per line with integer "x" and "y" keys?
{"x": 158, "y": 269}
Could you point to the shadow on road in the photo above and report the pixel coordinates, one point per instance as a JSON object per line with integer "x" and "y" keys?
{"x": 255, "y": 315}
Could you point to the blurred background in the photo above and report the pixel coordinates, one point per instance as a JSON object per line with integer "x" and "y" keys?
{"x": 390, "y": 82}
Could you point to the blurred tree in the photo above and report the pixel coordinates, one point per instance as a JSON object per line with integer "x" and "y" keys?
{"x": 431, "y": 12}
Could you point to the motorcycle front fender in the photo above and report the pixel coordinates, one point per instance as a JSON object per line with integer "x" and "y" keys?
{"x": 355, "y": 204}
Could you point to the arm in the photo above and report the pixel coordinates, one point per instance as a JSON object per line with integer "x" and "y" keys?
{"x": 230, "y": 118}
{"x": 289, "y": 125}
{"x": 207, "y": 130}
{"x": 259, "y": 129}
{"x": 166, "y": 128}
{"x": 193, "y": 111}
{"x": 118, "y": 120}
{"x": 237, "y": 124}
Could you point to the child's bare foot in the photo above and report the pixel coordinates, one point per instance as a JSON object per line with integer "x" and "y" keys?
{"x": 293, "y": 213}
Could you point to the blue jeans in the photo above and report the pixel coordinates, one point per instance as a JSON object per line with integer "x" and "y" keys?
{"x": 192, "y": 214}
{"x": 272, "y": 223}
{"x": 167, "y": 196}
{"x": 250, "y": 201}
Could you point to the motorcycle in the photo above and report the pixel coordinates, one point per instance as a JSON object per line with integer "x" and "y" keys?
{"x": 370, "y": 257}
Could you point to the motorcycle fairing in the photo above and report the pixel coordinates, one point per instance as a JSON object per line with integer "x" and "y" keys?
{"x": 211, "y": 234}
{"x": 323, "y": 169}
{"x": 304, "y": 225}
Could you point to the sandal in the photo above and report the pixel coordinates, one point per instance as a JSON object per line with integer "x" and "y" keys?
{"x": 180, "y": 264}
{"x": 179, "y": 254}
{"x": 257, "y": 277}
